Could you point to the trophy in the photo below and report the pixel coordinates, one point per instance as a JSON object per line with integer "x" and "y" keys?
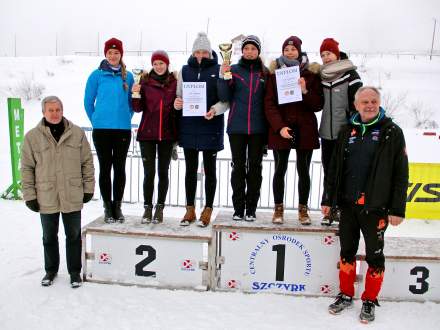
{"x": 137, "y": 78}
{"x": 226, "y": 52}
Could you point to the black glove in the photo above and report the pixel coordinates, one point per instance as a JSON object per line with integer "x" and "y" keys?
{"x": 87, "y": 197}
{"x": 33, "y": 205}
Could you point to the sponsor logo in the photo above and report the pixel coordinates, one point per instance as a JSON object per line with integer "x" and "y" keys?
{"x": 326, "y": 289}
{"x": 105, "y": 258}
{"x": 234, "y": 236}
{"x": 187, "y": 265}
{"x": 233, "y": 284}
{"x": 291, "y": 287}
{"x": 328, "y": 240}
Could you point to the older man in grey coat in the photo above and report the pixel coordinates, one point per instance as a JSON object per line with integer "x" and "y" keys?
{"x": 58, "y": 177}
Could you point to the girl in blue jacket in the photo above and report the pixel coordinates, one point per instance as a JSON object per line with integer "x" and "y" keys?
{"x": 107, "y": 101}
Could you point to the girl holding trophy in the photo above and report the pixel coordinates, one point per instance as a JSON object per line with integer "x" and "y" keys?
{"x": 201, "y": 124}
{"x": 107, "y": 101}
{"x": 247, "y": 126}
{"x": 157, "y": 131}
{"x": 293, "y": 125}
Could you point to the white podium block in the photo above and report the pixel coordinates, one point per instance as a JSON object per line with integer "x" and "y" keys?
{"x": 159, "y": 255}
{"x": 412, "y": 269}
{"x": 288, "y": 258}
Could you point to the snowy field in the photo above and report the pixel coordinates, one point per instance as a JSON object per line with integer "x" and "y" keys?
{"x": 27, "y": 305}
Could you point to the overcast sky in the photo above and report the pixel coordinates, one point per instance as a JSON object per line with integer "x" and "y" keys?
{"x": 39, "y": 27}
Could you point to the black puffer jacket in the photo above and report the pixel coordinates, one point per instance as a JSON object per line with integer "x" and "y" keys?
{"x": 387, "y": 182}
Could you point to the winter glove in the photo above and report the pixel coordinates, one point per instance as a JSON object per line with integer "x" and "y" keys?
{"x": 87, "y": 197}
{"x": 33, "y": 205}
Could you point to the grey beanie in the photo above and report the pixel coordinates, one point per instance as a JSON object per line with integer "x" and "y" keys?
{"x": 202, "y": 43}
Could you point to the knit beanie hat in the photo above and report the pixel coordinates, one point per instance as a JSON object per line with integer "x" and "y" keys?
{"x": 113, "y": 43}
{"x": 294, "y": 41}
{"x": 331, "y": 45}
{"x": 251, "y": 39}
{"x": 160, "y": 55}
{"x": 202, "y": 43}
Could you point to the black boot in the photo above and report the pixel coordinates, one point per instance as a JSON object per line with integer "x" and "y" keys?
{"x": 117, "y": 212}
{"x": 147, "y": 217}
{"x": 108, "y": 213}
{"x": 158, "y": 213}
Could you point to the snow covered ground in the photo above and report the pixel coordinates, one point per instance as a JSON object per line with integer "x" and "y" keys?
{"x": 25, "y": 304}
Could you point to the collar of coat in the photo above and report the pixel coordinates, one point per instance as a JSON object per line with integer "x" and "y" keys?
{"x": 46, "y": 130}
{"x": 356, "y": 121}
{"x": 206, "y": 62}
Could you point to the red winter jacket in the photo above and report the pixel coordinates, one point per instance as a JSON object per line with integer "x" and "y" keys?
{"x": 300, "y": 115}
{"x": 156, "y": 105}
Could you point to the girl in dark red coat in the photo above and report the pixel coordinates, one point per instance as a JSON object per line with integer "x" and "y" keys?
{"x": 293, "y": 126}
{"x": 157, "y": 130}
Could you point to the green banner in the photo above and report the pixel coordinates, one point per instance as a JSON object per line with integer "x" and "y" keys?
{"x": 16, "y": 137}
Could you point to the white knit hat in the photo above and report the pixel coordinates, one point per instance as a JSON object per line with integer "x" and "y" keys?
{"x": 202, "y": 43}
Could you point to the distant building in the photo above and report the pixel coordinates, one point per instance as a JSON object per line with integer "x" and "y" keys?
{"x": 236, "y": 44}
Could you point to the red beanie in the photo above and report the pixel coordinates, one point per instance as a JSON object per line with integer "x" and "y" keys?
{"x": 160, "y": 55}
{"x": 113, "y": 43}
{"x": 331, "y": 45}
{"x": 294, "y": 41}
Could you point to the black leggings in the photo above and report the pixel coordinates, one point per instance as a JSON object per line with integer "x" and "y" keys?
{"x": 327, "y": 147}
{"x": 247, "y": 157}
{"x": 148, "y": 152}
{"x": 209, "y": 166}
{"x": 303, "y": 160}
{"x": 111, "y": 147}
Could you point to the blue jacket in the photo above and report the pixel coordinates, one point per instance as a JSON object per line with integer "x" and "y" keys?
{"x": 197, "y": 132}
{"x": 245, "y": 94}
{"x": 107, "y": 103}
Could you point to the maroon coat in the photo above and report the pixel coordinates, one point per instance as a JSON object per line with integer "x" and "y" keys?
{"x": 300, "y": 115}
{"x": 157, "y": 107}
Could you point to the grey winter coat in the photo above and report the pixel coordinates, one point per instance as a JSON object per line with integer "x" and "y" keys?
{"x": 339, "y": 82}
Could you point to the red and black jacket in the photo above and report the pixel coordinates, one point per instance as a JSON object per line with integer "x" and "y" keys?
{"x": 156, "y": 104}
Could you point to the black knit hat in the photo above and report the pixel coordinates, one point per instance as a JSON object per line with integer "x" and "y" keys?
{"x": 251, "y": 39}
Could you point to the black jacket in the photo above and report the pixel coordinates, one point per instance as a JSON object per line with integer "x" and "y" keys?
{"x": 387, "y": 182}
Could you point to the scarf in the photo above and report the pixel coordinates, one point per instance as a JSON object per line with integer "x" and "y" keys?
{"x": 335, "y": 70}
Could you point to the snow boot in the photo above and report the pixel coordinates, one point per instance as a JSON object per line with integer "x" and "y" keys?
{"x": 190, "y": 216}
{"x": 341, "y": 302}
{"x": 108, "y": 213}
{"x": 117, "y": 212}
{"x": 147, "y": 217}
{"x": 158, "y": 213}
{"x": 48, "y": 279}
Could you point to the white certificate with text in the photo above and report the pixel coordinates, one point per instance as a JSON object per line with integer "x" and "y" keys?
{"x": 194, "y": 98}
{"x": 288, "y": 87}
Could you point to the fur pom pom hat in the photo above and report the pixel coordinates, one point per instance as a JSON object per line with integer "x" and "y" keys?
{"x": 202, "y": 43}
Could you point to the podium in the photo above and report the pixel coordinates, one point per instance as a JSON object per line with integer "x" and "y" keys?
{"x": 250, "y": 257}
{"x": 263, "y": 257}
{"x": 158, "y": 255}
{"x": 412, "y": 269}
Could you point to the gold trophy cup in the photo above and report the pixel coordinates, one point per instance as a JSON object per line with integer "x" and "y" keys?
{"x": 226, "y": 52}
{"x": 137, "y": 73}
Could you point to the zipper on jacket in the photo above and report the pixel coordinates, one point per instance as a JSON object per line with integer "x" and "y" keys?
{"x": 250, "y": 101}
{"x": 198, "y": 74}
{"x": 331, "y": 112}
{"x": 160, "y": 119}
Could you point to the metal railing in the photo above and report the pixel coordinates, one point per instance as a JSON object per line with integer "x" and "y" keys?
{"x": 223, "y": 198}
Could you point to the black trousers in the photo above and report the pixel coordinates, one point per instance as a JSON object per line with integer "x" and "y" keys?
{"x": 303, "y": 160}
{"x": 148, "y": 152}
{"x": 72, "y": 229}
{"x": 327, "y": 147}
{"x": 246, "y": 178}
{"x": 112, "y": 148}
{"x": 210, "y": 168}
{"x": 372, "y": 225}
